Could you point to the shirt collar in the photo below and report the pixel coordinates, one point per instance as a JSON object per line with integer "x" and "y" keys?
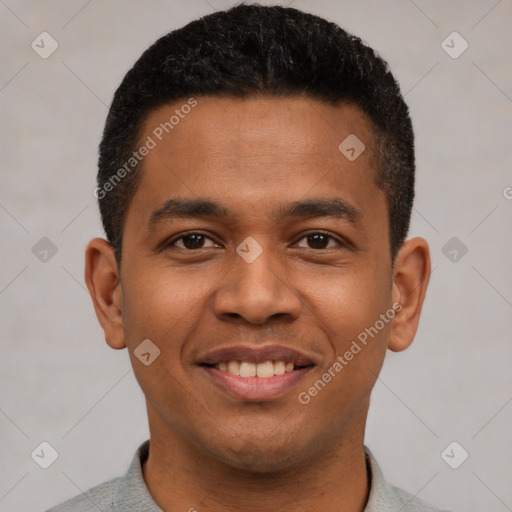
{"x": 131, "y": 490}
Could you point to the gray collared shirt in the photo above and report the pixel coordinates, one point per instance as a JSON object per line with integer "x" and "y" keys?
{"x": 129, "y": 493}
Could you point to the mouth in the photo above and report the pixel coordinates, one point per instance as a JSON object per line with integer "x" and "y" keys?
{"x": 247, "y": 369}
{"x": 256, "y": 374}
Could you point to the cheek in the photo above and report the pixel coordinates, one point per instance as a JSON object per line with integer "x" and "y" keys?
{"x": 163, "y": 304}
{"x": 352, "y": 322}
{"x": 348, "y": 303}
{"x": 350, "y": 313}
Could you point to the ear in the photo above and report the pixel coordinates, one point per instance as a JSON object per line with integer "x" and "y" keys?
{"x": 104, "y": 284}
{"x": 411, "y": 274}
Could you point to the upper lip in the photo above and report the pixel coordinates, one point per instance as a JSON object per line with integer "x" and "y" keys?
{"x": 256, "y": 355}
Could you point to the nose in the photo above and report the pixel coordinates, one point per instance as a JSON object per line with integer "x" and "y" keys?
{"x": 257, "y": 290}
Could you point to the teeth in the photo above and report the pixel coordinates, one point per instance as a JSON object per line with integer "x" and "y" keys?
{"x": 263, "y": 370}
{"x": 279, "y": 367}
{"x": 234, "y": 367}
{"x": 247, "y": 369}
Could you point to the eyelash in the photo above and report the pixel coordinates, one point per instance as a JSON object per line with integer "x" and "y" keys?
{"x": 172, "y": 242}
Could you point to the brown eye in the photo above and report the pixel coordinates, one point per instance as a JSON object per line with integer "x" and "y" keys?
{"x": 320, "y": 241}
{"x": 191, "y": 241}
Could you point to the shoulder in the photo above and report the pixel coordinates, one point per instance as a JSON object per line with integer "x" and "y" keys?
{"x": 121, "y": 494}
{"x": 99, "y": 497}
{"x": 407, "y": 502}
{"x": 388, "y": 498}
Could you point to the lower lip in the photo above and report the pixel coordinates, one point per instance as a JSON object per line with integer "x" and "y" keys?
{"x": 256, "y": 388}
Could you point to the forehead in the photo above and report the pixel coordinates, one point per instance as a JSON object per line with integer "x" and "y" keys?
{"x": 257, "y": 126}
{"x": 256, "y": 153}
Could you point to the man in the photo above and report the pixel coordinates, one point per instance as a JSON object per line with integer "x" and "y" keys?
{"x": 256, "y": 180}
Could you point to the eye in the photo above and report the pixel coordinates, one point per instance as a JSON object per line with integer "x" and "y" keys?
{"x": 316, "y": 240}
{"x": 191, "y": 241}
{"x": 319, "y": 240}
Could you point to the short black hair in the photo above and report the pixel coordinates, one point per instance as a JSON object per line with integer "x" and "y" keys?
{"x": 253, "y": 50}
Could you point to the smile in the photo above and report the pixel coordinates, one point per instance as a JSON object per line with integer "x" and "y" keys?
{"x": 263, "y": 370}
{"x": 256, "y": 373}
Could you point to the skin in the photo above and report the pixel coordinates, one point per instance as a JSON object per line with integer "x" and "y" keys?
{"x": 209, "y": 450}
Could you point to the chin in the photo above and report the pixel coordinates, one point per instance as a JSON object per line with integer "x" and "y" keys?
{"x": 261, "y": 455}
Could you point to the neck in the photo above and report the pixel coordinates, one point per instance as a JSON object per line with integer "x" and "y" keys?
{"x": 181, "y": 477}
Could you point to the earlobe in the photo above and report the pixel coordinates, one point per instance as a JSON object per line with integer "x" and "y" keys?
{"x": 104, "y": 284}
{"x": 410, "y": 281}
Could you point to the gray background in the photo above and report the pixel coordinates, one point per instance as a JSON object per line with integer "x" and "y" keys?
{"x": 60, "y": 382}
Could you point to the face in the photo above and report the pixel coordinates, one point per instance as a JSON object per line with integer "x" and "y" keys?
{"x": 254, "y": 245}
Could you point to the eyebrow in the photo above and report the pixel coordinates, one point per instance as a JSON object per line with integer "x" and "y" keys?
{"x": 176, "y": 207}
